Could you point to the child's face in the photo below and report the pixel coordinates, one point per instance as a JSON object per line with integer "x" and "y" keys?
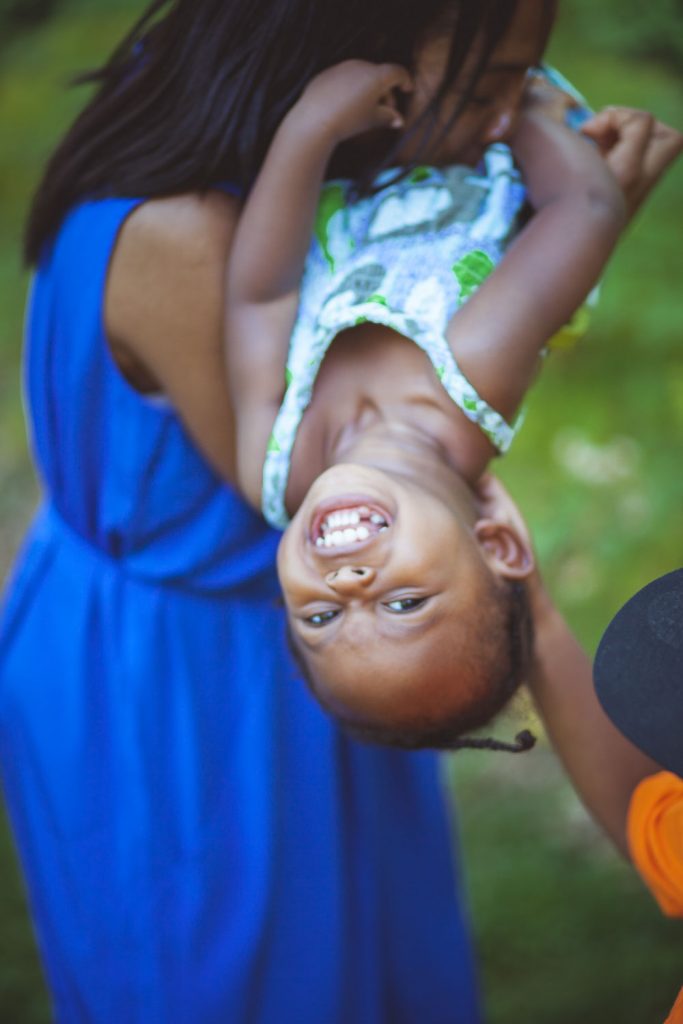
{"x": 385, "y": 585}
{"x": 490, "y": 114}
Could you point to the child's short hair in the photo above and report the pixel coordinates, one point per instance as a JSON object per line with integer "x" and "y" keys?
{"x": 505, "y": 640}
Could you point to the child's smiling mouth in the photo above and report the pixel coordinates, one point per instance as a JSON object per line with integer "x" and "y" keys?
{"x": 345, "y": 524}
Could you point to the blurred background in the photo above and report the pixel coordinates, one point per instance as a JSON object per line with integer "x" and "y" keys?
{"x": 565, "y": 932}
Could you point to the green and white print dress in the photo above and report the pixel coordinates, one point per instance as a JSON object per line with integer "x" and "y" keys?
{"x": 407, "y": 257}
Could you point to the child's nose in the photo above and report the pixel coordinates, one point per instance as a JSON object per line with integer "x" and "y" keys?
{"x": 350, "y": 578}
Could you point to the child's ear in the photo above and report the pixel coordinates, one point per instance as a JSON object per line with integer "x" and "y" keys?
{"x": 507, "y": 552}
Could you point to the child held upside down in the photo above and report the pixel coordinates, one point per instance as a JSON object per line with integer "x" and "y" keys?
{"x": 403, "y": 583}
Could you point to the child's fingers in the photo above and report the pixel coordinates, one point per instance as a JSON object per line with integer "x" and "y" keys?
{"x": 394, "y": 76}
{"x": 600, "y": 126}
{"x": 389, "y": 78}
{"x": 623, "y": 135}
{"x": 606, "y": 128}
{"x": 387, "y": 116}
{"x": 666, "y": 144}
{"x": 637, "y": 149}
{"x": 625, "y": 158}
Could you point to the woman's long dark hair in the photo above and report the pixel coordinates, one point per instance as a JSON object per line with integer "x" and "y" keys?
{"x": 194, "y": 93}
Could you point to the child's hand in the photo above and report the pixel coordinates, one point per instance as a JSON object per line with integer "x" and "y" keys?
{"x": 352, "y": 97}
{"x": 636, "y": 148}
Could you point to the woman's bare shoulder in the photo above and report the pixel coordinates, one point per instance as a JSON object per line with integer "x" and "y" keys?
{"x": 164, "y": 310}
{"x": 169, "y": 258}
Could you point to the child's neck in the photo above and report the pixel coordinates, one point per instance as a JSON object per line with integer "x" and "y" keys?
{"x": 404, "y": 450}
{"x": 380, "y": 403}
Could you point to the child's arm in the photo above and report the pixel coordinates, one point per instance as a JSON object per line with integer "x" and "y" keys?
{"x": 581, "y": 209}
{"x": 274, "y": 234}
{"x": 603, "y": 765}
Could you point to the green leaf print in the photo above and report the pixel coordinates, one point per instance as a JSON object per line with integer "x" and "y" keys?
{"x": 419, "y": 174}
{"x": 273, "y": 446}
{"x": 331, "y": 201}
{"x": 470, "y": 270}
{"x": 376, "y": 297}
{"x": 288, "y": 376}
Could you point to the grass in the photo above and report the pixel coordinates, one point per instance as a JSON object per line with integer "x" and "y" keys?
{"x": 564, "y": 930}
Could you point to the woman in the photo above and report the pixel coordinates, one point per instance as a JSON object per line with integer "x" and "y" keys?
{"x": 200, "y": 843}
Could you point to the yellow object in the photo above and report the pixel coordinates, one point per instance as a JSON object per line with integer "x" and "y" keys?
{"x": 655, "y": 837}
{"x": 568, "y": 335}
{"x": 676, "y": 1015}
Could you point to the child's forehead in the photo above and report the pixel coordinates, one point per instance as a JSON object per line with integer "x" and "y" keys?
{"x": 421, "y": 677}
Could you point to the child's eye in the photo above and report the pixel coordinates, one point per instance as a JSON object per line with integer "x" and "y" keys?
{"x": 322, "y": 618}
{"x": 405, "y": 604}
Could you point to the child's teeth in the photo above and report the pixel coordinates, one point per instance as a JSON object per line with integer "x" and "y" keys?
{"x": 350, "y": 535}
{"x": 346, "y": 526}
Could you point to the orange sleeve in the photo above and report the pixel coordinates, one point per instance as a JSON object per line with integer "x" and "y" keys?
{"x": 676, "y": 1015}
{"x": 655, "y": 837}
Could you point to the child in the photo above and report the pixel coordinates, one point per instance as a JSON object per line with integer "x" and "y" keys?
{"x": 404, "y": 600}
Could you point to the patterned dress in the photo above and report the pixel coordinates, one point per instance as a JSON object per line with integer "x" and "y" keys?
{"x": 405, "y": 257}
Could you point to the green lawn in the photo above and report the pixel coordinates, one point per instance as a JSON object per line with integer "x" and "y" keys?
{"x": 565, "y": 932}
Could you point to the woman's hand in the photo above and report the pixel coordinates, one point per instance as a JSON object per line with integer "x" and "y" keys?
{"x": 350, "y": 98}
{"x": 636, "y": 147}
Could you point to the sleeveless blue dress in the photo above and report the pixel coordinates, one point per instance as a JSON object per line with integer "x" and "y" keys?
{"x": 200, "y": 842}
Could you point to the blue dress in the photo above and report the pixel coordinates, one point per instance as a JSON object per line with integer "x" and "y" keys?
{"x": 200, "y": 842}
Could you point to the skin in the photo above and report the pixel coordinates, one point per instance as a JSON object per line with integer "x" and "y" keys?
{"x": 398, "y": 608}
{"x": 491, "y": 114}
{"x": 603, "y": 765}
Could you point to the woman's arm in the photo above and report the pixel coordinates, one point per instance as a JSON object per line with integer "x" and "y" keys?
{"x": 583, "y": 197}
